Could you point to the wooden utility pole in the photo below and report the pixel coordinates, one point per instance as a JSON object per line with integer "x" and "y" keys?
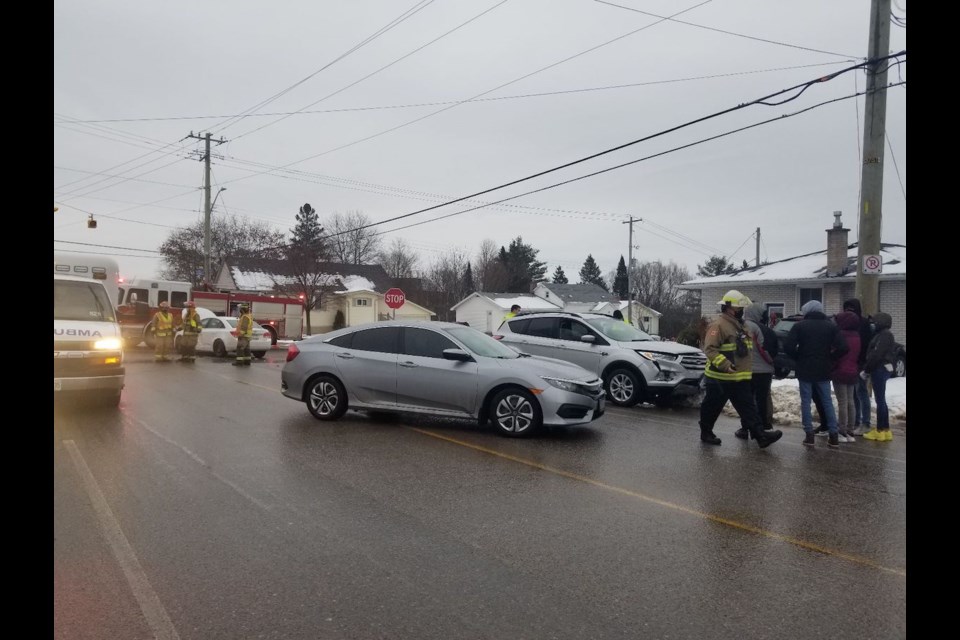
{"x": 871, "y": 176}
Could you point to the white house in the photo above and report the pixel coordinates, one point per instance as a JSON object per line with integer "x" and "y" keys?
{"x": 644, "y": 317}
{"x": 575, "y": 297}
{"x": 485, "y": 311}
{"x": 828, "y": 276}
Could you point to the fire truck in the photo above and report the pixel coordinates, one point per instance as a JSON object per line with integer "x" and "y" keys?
{"x": 140, "y": 298}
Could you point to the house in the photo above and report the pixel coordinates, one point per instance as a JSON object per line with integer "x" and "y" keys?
{"x": 355, "y": 290}
{"x": 485, "y": 311}
{"x": 828, "y": 276}
{"x": 644, "y": 317}
{"x": 575, "y": 297}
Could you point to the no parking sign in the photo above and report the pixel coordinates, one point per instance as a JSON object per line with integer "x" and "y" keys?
{"x": 872, "y": 264}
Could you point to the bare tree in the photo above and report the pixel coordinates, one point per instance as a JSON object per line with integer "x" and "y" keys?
{"x": 445, "y": 279}
{"x": 487, "y": 265}
{"x": 349, "y": 243}
{"x": 399, "y": 260}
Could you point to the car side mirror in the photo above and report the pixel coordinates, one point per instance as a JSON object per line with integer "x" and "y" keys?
{"x": 588, "y": 338}
{"x": 457, "y": 354}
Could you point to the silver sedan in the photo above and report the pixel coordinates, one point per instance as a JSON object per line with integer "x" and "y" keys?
{"x": 441, "y": 369}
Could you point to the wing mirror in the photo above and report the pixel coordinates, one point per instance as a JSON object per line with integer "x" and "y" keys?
{"x": 457, "y": 354}
{"x": 588, "y": 338}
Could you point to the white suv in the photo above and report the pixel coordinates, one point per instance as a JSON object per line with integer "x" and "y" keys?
{"x": 634, "y": 366}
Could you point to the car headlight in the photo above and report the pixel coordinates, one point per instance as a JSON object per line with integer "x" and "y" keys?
{"x": 566, "y": 385}
{"x": 655, "y": 355}
{"x": 108, "y": 344}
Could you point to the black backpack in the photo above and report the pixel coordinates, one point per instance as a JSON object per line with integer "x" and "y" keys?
{"x": 770, "y": 342}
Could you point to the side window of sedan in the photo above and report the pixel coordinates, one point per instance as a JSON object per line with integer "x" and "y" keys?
{"x": 425, "y": 343}
{"x": 211, "y": 323}
{"x": 383, "y": 340}
{"x": 343, "y": 341}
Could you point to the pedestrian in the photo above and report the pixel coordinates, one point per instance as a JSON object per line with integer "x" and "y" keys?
{"x": 163, "y": 333}
{"x": 244, "y": 333}
{"x": 844, "y": 375}
{"x": 881, "y": 356}
{"x": 619, "y": 316}
{"x": 815, "y": 343}
{"x": 862, "y": 397}
{"x": 191, "y": 332}
{"x": 514, "y": 310}
{"x": 761, "y": 365}
{"x": 728, "y": 373}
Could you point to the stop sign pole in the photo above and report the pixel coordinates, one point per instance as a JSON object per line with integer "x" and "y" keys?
{"x": 394, "y": 298}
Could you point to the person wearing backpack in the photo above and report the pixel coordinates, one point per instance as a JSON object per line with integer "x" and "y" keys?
{"x": 762, "y": 365}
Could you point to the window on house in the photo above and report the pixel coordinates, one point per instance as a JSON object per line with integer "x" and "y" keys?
{"x": 806, "y": 295}
{"x": 774, "y": 311}
{"x": 361, "y": 302}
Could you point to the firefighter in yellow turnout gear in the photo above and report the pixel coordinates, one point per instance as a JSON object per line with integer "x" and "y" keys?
{"x": 728, "y": 373}
{"x": 244, "y": 333}
{"x": 191, "y": 332}
{"x": 163, "y": 333}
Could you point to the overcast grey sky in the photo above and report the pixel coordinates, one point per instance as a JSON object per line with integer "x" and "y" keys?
{"x": 150, "y": 73}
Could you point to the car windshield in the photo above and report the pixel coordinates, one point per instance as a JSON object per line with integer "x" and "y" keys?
{"x": 81, "y": 301}
{"x": 481, "y": 344}
{"x": 618, "y": 330}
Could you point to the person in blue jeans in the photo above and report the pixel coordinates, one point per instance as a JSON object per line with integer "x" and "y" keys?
{"x": 862, "y": 395}
{"x": 881, "y": 354}
{"x": 815, "y": 343}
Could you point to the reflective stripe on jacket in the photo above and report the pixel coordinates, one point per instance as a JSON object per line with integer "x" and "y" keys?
{"x": 191, "y": 323}
{"x": 163, "y": 324}
{"x": 720, "y": 347}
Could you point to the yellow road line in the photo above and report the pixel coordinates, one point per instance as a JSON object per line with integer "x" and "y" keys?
{"x": 671, "y": 505}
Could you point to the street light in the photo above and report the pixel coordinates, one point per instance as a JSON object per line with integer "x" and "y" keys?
{"x": 222, "y": 189}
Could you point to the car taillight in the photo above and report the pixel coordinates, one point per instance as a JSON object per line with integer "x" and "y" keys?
{"x": 497, "y": 337}
{"x": 292, "y": 352}
{"x": 234, "y": 333}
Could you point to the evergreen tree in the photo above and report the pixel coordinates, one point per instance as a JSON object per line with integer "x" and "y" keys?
{"x": 715, "y": 266}
{"x": 590, "y": 273}
{"x": 468, "y": 285}
{"x": 620, "y": 281}
{"x": 522, "y": 267}
{"x": 559, "y": 277}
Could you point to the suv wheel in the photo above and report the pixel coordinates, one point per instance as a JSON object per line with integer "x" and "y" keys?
{"x": 623, "y": 387}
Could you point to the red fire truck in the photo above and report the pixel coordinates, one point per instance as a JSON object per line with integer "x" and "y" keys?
{"x": 140, "y": 298}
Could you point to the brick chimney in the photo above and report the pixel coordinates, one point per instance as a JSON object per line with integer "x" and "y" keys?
{"x": 837, "y": 247}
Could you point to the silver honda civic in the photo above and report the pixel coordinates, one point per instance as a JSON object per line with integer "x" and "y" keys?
{"x": 441, "y": 369}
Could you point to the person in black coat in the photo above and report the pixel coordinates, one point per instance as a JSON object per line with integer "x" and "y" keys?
{"x": 815, "y": 343}
{"x": 862, "y": 396}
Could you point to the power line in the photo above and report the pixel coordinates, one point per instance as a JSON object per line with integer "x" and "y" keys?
{"x": 429, "y": 115}
{"x": 369, "y": 75}
{"x": 730, "y": 33}
{"x": 730, "y": 259}
{"x": 110, "y": 246}
{"x": 763, "y": 100}
{"x": 109, "y": 175}
{"x": 416, "y": 8}
{"x": 894, "y": 158}
{"x": 494, "y": 99}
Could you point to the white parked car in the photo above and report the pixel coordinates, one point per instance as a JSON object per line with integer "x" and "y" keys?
{"x": 219, "y": 336}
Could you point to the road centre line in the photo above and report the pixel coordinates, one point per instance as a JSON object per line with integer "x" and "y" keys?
{"x": 671, "y": 505}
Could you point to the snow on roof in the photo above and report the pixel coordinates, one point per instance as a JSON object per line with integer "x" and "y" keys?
{"x": 507, "y": 300}
{"x": 811, "y": 266}
{"x": 622, "y": 304}
{"x": 257, "y": 280}
{"x": 356, "y": 283}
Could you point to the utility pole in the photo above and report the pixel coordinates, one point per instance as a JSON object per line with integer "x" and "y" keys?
{"x": 630, "y": 269}
{"x": 758, "y": 246}
{"x": 871, "y": 176}
{"x": 207, "y": 208}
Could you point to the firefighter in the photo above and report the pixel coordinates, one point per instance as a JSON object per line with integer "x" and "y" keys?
{"x": 163, "y": 333}
{"x": 191, "y": 332}
{"x": 244, "y": 333}
{"x": 728, "y": 373}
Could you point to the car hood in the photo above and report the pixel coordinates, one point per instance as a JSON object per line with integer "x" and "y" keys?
{"x": 550, "y": 367}
{"x": 660, "y": 346}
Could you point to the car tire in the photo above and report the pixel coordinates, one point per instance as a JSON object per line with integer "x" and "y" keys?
{"x": 326, "y": 398}
{"x": 258, "y": 354}
{"x": 900, "y": 367}
{"x": 515, "y": 413}
{"x": 219, "y": 350}
{"x": 623, "y": 387}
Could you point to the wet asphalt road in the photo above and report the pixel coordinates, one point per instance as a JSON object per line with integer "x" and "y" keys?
{"x": 210, "y": 506}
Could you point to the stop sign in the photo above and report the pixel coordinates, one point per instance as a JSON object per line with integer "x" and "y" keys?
{"x": 394, "y": 298}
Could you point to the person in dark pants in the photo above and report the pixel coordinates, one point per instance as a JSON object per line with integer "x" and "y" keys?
{"x": 881, "y": 355}
{"x": 728, "y": 373}
{"x": 761, "y": 364}
{"x": 862, "y": 396}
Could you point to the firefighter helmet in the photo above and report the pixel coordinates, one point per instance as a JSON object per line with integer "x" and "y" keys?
{"x": 164, "y": 305}
{"x": 190, "y": 304}
{"x": 734, "y": 298}
{"x": 244, "y": 307}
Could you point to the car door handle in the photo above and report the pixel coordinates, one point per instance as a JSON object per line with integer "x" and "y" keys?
{"x": 345, "y": 356}
{"x": 409, "y": 364}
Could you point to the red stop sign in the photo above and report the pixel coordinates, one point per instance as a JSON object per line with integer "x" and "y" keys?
{"x": 394, "y": 298}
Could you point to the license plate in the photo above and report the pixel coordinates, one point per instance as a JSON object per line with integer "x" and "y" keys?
{"x": 56, "y": 385}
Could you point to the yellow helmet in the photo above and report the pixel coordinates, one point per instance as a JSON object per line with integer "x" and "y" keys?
{"x": 735, "y": 299}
